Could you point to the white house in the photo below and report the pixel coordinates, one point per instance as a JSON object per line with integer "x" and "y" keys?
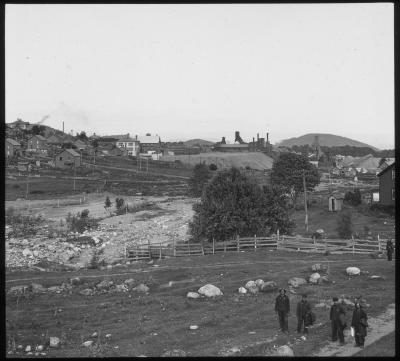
{"x": 130, "y": 144}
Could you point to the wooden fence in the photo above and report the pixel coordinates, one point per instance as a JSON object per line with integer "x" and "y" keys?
{"x": 252, "y": 244}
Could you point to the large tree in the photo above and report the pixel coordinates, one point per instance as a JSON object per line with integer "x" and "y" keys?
{"x": 201, "y": 175}
{"x": 287, "y": 173}
{"x": 233, "y": 204}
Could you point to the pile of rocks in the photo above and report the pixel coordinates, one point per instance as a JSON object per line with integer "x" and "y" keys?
{"x": 207, "y": 290}
{"x": 253, "y": 287}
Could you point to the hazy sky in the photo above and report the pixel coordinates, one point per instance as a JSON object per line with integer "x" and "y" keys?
{"x": 204, "y": 71}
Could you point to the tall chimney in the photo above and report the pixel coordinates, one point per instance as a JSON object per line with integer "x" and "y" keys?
{"x": 267, "y": 138}
{"x": 258, "y": 137}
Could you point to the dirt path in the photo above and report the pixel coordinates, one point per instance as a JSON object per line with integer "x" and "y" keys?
{"x": 379, "y": 326}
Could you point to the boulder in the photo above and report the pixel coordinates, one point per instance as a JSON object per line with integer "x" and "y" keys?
{"x": 259, "y": 283}
{"x": 210, "y": 290}
{"x": 86, "y": 292}
{"x": 27, "y": 252}
{"x": 375, "y": 277}
{"x": 37, "y": 288}
{"x": 121, "y": 288}
{"x": 250, "y": 284}
{"x": 35, "y": 253}
{"x": 284, "y": 350}
{"x": 129, "y": 282}
{"x": 242, "y": 290}
{"x": 353, "y": 271}
{"x": 192, "y": 295}
{"x": 174, "y": 353}
{"x": 55, "y": 289}
{"x": 297, "y": 281}
{"x": 269, "y": 286}
{"x": 28, "y": 348}
{"x": 141, "y": 288}
{"x": 319, "y": 267}
{"x": 104, "y": 285}
{"x": 54, "y": 342}
{"x": 88, "y": 343}
{"x": 314, "y": 278}
{"x": 39, "y": 348}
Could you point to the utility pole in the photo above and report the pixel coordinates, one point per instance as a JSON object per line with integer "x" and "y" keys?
{"x": 27, "y": 183}
{"x": 305, "y": 201}
{"x": 147, "y": 164}
{"x": 74, "y": 174}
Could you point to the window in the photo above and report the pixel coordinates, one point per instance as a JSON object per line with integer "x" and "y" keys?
{"x": 60, "y": 158}
{"x": 130, "y": 144}
{"x": 393, "y": 193}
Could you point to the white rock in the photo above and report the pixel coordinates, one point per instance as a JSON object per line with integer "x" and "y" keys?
{"x": 242, "y": 290}
{"x": 297, "y": 281}
{"x": 39, "y": 348}
{"x": 28, "y": 348}
{"x": 94, "y": 334}
{"x": 352, "y": 271}
{"x": 109, "y": 267}
{"x": 250, "y": 284}
{"x": 194, "y": 327}
{"x": 88, "y": 343}
{"x": 108, "y": 335}
{"x": 269, "y": 286}
{"x": 192, "y": 295}
{"x": 27, "y": 252}
{"x": 141, "y": 288}
{"x": 54, "y": 342}
{"x": 314, "y": 278}
{"x": 253, "y": 290}
{"x": 284, "y": 350}
{"x": 259, "y": 283}
{"x": 318, "y": 267}
{"x": 35, "y": 253}
{"x": 210, "y": 290}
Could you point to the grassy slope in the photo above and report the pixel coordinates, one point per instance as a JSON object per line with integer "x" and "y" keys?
{"x": 385, "y": 347}
{"x": 258, "y": 161}
{"x": 223, "y": 322}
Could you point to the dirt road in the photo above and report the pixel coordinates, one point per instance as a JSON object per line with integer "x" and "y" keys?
{"x": 378, "y": 327}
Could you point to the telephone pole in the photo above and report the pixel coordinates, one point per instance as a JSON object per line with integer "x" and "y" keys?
{"x": 74, "y": 174}
{"x": 305, "y": 202}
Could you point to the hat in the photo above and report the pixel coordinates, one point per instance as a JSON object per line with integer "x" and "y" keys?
{"x": 282, "y": 289}
{"x": 304, "y": 295}
{"x": 335, "y": 299}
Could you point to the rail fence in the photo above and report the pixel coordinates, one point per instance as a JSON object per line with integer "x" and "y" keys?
{"x": 252, "y": 244}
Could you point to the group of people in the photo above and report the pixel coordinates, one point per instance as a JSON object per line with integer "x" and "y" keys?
{"x": 305, "y": 318}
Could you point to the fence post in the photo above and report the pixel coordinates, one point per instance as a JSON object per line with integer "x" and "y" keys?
{"x": 315, "y": 245}
{"x": 125, "y": 254}
{"x": 326, "y": 245}
{"x": 379, "y": 244}
{"x": 173, "y": 247}
{"x": 255, "y": 242}
{"x": 189, "y": 246}
{"x": 224, "y": 246}
{"x": 353, "y": 243}
{"x": 160, "y": 252}
{"x": 137, "y": 252}
{"x": 202, "y": 248}
{"x": 213, "y": 245}
{"x": 237, "y": 243}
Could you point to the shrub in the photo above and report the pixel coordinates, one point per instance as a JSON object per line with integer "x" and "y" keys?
{"x": 345, "y": 225}
{"x": 36, "y": 191}
{"x": 77, "y": 223}
{"x": 201, "y": 175}
{"x": 212, "y": 167}
{"x": 353, "y": 198}
{"x": 84, "y": 213}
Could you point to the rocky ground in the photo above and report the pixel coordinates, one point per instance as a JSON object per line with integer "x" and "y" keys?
{"x": 165, "y": 220}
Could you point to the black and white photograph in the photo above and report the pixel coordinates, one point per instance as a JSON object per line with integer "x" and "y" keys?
{"x": 190, "y": 180}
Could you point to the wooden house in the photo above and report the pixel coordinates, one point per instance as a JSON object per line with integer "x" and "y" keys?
{"x": 335, "y": 201}
{"x": 387, "y": 188}
{"x": 12, "y": 147}
{"x": 68, "y": 158}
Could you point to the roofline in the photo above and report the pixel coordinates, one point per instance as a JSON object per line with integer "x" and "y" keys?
{"x": 383, "y": 171}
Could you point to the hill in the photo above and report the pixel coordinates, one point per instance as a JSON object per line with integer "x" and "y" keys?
{"x": 258, "y": 161}
{"x": 201, "y": 142}
{"x": 328, "y": 140}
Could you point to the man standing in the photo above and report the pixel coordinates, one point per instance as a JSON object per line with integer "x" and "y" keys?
{"x": 303, "y": 313}
{"x": 338, "y": 322}
{"x": 282, "y": 308}
{"x": 389, "y": 249}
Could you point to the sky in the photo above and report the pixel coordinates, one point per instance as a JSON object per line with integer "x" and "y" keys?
{"x": 204, "y": 71}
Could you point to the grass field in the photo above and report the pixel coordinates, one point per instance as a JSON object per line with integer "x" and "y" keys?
{"x": 151, "y": 324}
{"x": 385, "y": 347}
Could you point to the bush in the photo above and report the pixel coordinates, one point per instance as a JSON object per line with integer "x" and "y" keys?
{"x": 212, "y": 167}
{"x": 77, "y": 223}
{"x": 353, "y": 198}
{"x": 201, "y": 175}
{"x": 345, "y": 225}
{"x": 84, "y": 213}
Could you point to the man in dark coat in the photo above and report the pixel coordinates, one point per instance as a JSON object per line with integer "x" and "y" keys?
{"x": 359, "y": 323}
{"x": 338, "y": 322}
{"x": 303, "y": 313}
{"x": 389, "y": 249}
{"x": 282, "y": 308}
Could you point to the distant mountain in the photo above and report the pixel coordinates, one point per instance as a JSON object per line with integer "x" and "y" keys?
{"x": 201, "y": 142}
{"x": 327, "y": 140}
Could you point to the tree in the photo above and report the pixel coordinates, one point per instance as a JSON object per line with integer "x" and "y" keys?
{"x": 38, "y": 129}
{"x": 233, "y": 204}
{"x": 353, "y": 198}
{"x": 82, "y": 136}
{"x": 119, "y": 203}
{"x": 345, "y": 224}
{"x": 201, "y": 175}
{"x": 107, "y": 203}
{"x": 287, "y": 172}
{"x": 212, "y": 167}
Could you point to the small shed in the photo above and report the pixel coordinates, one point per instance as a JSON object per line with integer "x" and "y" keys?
{"x": 335, "y": 201}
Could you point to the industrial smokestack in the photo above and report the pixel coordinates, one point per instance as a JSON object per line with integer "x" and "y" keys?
{"x": 223, "y": 140}
{"x": 258, "y": 137}
{"x": 267, "y": 138}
